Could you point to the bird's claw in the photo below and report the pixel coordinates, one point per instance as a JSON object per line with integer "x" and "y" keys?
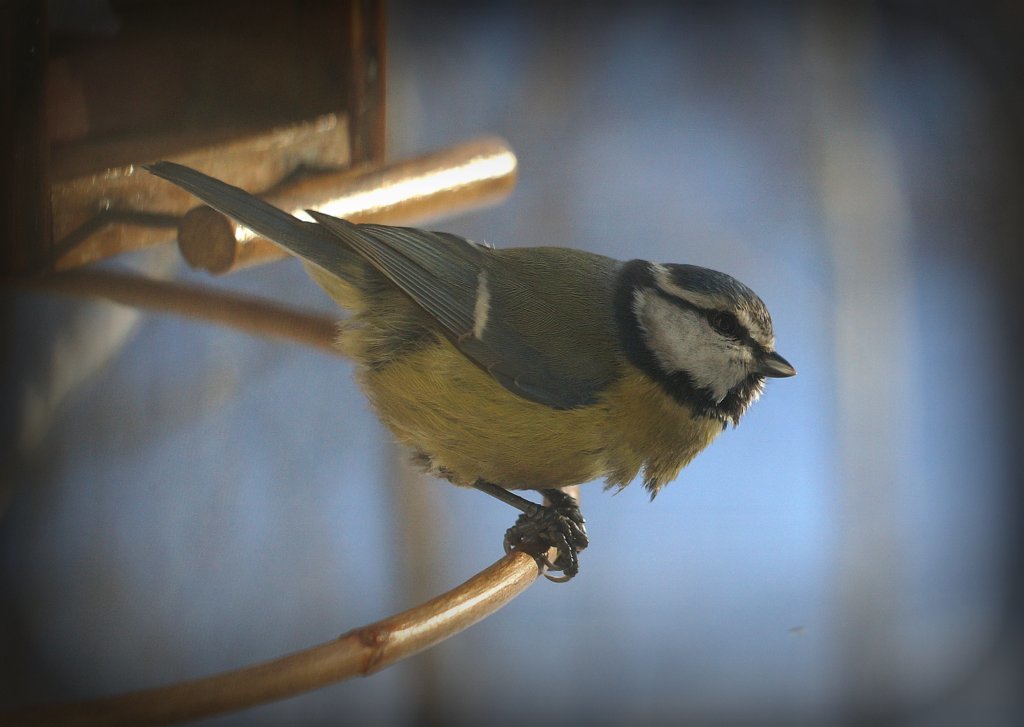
{"x": 559, "y": 525}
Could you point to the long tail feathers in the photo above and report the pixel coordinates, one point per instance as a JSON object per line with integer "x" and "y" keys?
{"x": 307, "y": 240}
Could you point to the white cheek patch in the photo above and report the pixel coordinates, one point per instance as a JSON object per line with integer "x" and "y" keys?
{"x": 682, "y": 340}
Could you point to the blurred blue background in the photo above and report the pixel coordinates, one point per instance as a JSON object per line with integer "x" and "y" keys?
{"x": 182, "y": 499}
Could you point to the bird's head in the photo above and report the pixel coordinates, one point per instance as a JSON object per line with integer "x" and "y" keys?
{"x": 703, "y": 335}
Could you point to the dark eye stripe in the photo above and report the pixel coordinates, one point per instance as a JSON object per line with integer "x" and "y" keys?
{"x": 733, "y": 329}
{"x": 740, "y": 332}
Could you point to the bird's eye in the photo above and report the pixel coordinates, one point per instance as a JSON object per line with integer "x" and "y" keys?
{"x": 725, "y": 323}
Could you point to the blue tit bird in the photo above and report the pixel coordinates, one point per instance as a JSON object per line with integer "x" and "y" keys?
{"x": 528, "y": 368}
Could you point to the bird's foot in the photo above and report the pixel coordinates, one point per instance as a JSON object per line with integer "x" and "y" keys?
{"x": 558, "y": 525}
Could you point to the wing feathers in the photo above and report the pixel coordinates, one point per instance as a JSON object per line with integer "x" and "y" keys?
{"x": 441, "y": 272}
{"x": 445, "y": 285}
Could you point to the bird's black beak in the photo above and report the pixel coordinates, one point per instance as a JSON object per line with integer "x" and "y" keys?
{"x": 773, "y": 365}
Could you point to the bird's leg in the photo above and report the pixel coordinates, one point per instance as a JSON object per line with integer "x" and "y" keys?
{"x": 557, "y": 525}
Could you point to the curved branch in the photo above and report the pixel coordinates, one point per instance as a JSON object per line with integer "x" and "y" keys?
{"x": 359, "y": 652}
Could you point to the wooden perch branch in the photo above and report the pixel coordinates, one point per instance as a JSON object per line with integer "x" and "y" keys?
{"x": 359, "y": 652}
{"x": 246, "y": 313}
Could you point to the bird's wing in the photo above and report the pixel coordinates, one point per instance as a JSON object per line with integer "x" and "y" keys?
{"x": 437, "y": 271}
{"x": 443, "y": 274}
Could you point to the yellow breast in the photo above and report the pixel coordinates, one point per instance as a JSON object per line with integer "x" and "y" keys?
{"x": 469, "y": 427}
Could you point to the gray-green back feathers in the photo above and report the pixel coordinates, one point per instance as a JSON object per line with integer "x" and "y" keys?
{"x": 539, "y": 320}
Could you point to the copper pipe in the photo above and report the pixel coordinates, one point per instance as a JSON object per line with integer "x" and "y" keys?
{"x": 466, "y": 176}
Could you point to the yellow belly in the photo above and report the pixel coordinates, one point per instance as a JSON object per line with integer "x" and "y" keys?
{"x": 437, "y": 402}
